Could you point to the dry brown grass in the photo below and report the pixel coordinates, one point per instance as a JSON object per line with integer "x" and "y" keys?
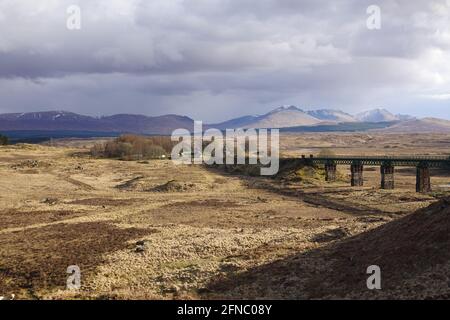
{"x": 208, "y": 234}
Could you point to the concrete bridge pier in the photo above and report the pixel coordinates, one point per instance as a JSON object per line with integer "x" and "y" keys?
{"x": 387, "y": 163}
{"x": 387, "y": 176}
{"x": 357, "y": 174}
{"x": 423, "y": 178}
{"x": 330, "y": 172}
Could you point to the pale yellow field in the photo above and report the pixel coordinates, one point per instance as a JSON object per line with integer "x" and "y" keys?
{"x": 206, "y": 233}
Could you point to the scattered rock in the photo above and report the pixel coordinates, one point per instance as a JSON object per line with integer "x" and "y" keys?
{"x": 331, "y": 235}
{"x": 371, "y": 219}
{"x": 140, "y": 249}
{"x": 30, "y": 164}
{"x": 173, "y": 289}
{"x": 50, "y": 201}
{"x": 262, "y": 200}
{"x": 141, "y": 246}
{"x": 173, "y": 186}
{"x": 129, "y": 184}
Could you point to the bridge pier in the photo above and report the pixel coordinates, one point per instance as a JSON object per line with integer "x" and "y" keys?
{"x": 423, "y": 179}
{"x": 357, "y": 174}
{"x": 387, "y": 163}
{"x": 387, "y": 176}
{"x": 330, "y": 172}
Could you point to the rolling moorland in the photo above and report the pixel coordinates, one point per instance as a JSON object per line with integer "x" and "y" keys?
{"x": 153, "y": 230}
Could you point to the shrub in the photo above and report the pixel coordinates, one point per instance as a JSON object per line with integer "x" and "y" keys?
{"x": 3, "y": 140}
{"x": 133, "y": 147}
{"x": 98, "y": 150}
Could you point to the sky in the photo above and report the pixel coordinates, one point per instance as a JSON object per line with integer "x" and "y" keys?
{"x": 214, "y": 60}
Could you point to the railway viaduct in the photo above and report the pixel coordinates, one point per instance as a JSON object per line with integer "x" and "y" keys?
{"x": 387, "y": 168}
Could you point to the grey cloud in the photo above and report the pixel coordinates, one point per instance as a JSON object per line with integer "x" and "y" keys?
{"x": 214, "y": 59}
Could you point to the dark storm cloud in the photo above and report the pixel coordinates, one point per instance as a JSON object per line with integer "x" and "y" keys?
{"x": 213, "y": 59}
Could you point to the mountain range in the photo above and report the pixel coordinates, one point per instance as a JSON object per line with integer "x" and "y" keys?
{"x": 69, "y": 121}
{"x": 381, "y": 115}
{"x": 282, "y": 117}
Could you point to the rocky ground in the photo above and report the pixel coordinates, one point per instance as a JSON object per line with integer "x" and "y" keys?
{"x": 153, "y": 230}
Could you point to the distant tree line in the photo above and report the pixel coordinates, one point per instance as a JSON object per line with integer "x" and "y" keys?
{"x": 3, "y": 140}
{"x": 133, "y": 147}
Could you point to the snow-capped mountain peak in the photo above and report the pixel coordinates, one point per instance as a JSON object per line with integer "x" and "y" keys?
{"x": 376, "y": 115}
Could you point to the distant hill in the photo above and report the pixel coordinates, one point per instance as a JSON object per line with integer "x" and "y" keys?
{"x": 292, "y": 116}
{"x": 332, "y": 115}
{"x": 285, "y": 117}
{"x": 340, "y": 127}
{"x": 376, "y": 115}
{"x": 241, "y": 122}
{"x": 289, "y": 118}
{"x": 148, "y": 125}
{"x": 420, "y": 125}
{"x": 68, "y": 121}
{"x": 404, "y": 117}
{"x": 279, "y": 118}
